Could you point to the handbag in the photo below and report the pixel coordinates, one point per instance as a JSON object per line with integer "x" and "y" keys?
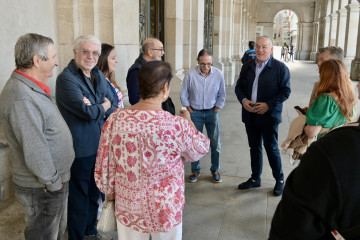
{"x": 107, "y": 221}
{"x": 169, "y": 106}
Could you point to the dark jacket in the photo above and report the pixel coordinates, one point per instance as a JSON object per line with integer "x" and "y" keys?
{"x": 248, "y": 55}
{"x": 133, "y": 87}
{"x": 85, "y": 122}
{"x": 322, "y": 193}
{"x": 132, "y": 80}
{"x": 273, "y": 89}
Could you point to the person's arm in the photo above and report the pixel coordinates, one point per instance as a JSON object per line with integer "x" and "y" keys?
{"x": 28, "y": 124}
{"x": 184, "y": 96}
{"x": 105, "y": 166}
{"x": 221, "y": 95}
{"x": 112, "y": 101}
{"x": 284, "y": 89}
{"x": 70, "y": 97}
{"x": 133, "y": 87}
{"x": 244, "y": 58}
{"x": 195, "y": 144}
{"x": 310, "y": 200}
{"x": 240, "y": 91}
{"x": 311, "y": 130}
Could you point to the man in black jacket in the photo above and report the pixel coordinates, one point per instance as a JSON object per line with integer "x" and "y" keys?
{"x": 322, "y": 193}
{"x": 262, "y": 87}
{"x": 152, "y": 50}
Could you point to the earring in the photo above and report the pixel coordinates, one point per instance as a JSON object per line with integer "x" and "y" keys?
{"x": 165, "y": 96}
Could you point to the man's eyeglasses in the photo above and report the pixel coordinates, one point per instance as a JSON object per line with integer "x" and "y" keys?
{"x": 88, "y": 53}
{"x": 205, "y": 64}
{"x": 159, "y": 49}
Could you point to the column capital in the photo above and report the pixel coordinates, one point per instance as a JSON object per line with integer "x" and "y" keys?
{"x": 333, "y": 16}
{"x": 342, "y": 11}
{"x": 353, "y": 7}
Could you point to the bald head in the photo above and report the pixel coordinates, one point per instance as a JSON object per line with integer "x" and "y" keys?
{"x": 152, "y": 49}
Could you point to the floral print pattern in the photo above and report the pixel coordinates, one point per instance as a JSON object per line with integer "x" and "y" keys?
{"x": 141, "y": 159}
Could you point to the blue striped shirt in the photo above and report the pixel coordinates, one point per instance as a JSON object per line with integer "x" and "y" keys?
{"x": 202, "y": 92}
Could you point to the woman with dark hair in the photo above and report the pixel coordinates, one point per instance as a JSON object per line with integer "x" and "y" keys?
{"x": 334, "y": 99}
{"x": 106, "y": 63}
{"x": 141, "y": 156}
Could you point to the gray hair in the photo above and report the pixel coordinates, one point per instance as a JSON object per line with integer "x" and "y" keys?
{"x": 29, "y": 45}
{"x": 334, "y": 52}
{"x": 268, "y": 38}
{"x": 204, "y": 52}
{"x": 87, "y": 38}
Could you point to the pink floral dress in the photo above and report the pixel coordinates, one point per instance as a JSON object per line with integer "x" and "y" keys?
{"x": 145, "y": 151}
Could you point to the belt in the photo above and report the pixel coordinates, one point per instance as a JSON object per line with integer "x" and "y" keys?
{"x": 202, "y": 110}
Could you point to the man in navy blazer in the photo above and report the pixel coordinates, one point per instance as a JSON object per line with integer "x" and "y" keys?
{"x": 85, "y": 101}
{"x": 262, "y": 87}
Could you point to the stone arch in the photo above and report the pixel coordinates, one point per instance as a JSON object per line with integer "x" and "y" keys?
{"x": 276, "y": 10}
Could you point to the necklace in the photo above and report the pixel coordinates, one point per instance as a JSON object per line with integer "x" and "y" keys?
{"x": 154, "y": 104}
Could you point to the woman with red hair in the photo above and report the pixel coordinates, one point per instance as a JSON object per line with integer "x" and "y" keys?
{"x": 334, "y": 99}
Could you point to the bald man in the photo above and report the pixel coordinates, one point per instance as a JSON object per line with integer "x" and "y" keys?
{"x": 152, "y": 50}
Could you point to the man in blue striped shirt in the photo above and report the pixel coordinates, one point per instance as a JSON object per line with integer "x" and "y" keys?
{"x": 203, "y": 94}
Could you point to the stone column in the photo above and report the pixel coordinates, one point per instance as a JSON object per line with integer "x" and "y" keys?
{"x": 174, "y": 45}
{"x": 355, "y": 64}
{"x": 67, "y": 25}
{"x": 243, "y": 30}
{"x": 352, "y": 28}
{"x": 125, "y": 36}
{"x": 237, "y": 35}
{"x": 305, "y": 41}
{"x": 315, "y": 41}
{"x": 341, "y": 28}
{"x": 322, "y": 30}
{"x": 104, "y": 20}
{"x": 222, "y": 39}
{"x": 333, "y": 30}
{"x": 327, "y": 31}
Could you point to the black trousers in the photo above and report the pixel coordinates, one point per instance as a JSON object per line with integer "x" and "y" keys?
{"x": 83, "y": 199}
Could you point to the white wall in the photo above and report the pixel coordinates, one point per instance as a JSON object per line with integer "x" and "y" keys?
{"x": 20, "y": 17}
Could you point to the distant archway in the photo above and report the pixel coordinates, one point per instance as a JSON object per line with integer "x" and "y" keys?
{"x": 285, "y": 28}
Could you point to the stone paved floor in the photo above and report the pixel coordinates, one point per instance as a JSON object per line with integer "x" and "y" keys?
{"x": 221, "y": 211}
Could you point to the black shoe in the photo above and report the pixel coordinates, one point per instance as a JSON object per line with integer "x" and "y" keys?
{"x": 279, "y": 188}
{"x": 249, "y": 184}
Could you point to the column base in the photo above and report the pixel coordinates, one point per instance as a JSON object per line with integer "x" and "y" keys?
{"x": 355, "y": 70}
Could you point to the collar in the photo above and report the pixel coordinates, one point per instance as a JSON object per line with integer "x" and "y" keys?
{"x": 75, "y": 69}
{"x": 199, "y": 71}
{"x": 264, "y": 64}
{"x": 41, "y": 85}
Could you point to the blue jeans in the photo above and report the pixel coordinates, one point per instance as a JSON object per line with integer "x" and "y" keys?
{"x": 83, "y": 199}
{"x": 256, "y": 135}
{"x": 45, "y": 212}
{"x": 210, "y": 119}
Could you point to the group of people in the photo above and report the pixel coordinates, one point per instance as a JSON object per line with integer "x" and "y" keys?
{"x": 87, "y": 143}
{"x": 287, "y": 53}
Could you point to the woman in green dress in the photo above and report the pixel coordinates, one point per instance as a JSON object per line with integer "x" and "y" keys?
{"x": 334, "y": 99}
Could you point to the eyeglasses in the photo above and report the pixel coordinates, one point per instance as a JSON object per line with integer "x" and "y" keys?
{"x": 88, "y": 53}
{"x": 205, "y": 64}
{"x": 159, "y": 49}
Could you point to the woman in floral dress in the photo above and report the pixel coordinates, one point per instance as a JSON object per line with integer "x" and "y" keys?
{"x": 141, "y": 158}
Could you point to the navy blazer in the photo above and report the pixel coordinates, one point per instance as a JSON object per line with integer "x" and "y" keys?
{"x": 85, "y": 122}
{"x": 273, "y": 89}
